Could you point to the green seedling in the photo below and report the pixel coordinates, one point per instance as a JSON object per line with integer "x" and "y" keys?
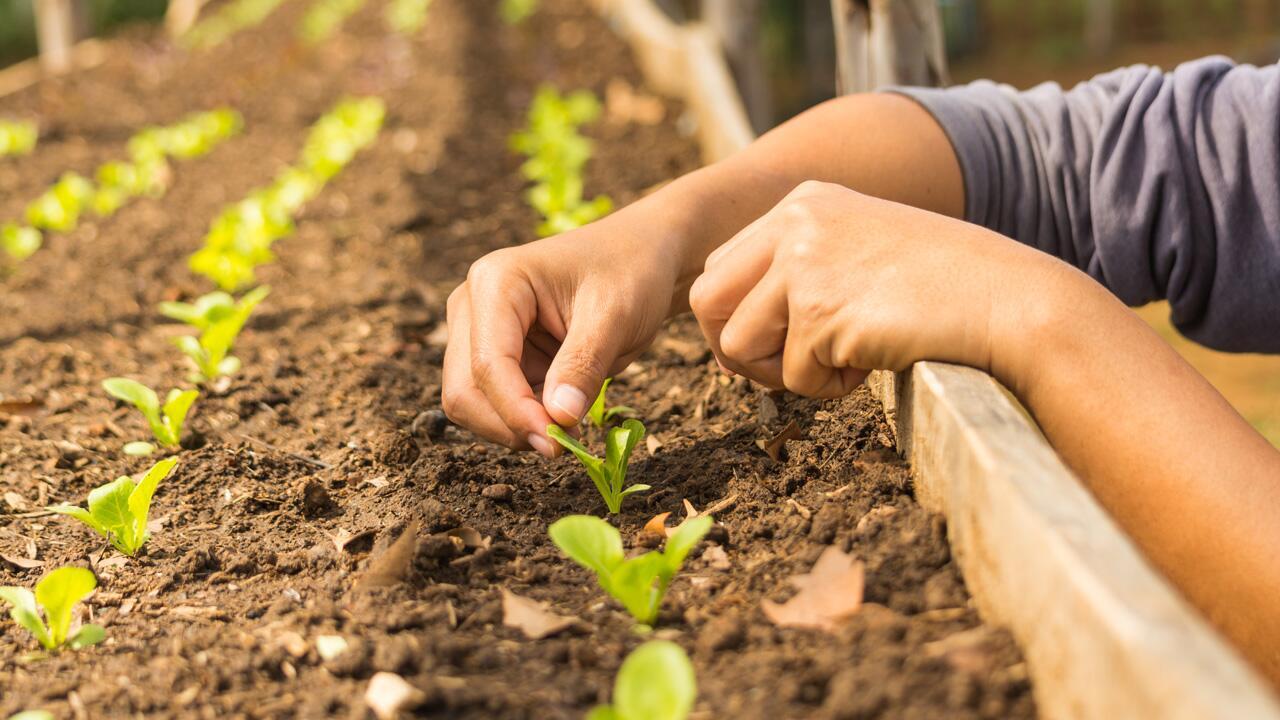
{"x": 59, "y": 208}
{"x": 118, "y": 510}
{"x": 32, "y": 715}
{"x": 406, "y": 16}
{"x": 230, "y": 18}
{"x": 219, "y": 320}
{"x": 18, "y": 241}
{"x": 325, "y": 17}
{"x": 57, "y": 593}
{"x": 17, "y": 137}
{"x": 609, "y": 474}
{"x": 655, "y": 682}
{"x": 514, "y": 12}
{"x": 599, "y": 415}
{"x": 165, "y": 420}
{"x": 639, "y": 583}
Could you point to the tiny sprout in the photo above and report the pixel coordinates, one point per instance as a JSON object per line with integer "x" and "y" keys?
{"x": 609, "y": 474}
{"x": 17, "y": 137}
{"x": 118, "y": 511}
{"x": 59, "y": 208}
{"x": 165, "y": 420}
{"x": 514, "y": 12}
{"x": 57, "y": 593}
{"x": 18, "y": 241}
{"x": 219, "y": 319}
{"x": 597, "y": 413}
{"x": 639, "y": 583}
{"x": 655, "y": 682}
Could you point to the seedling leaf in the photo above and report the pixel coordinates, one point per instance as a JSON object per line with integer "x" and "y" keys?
{"x": 655, "y": 682}
{"x": 25, "y": 613}
{"x": 119, "y": 510}
{"x": 58, "y": 592}
{"x": 591, "y": 542}
{"x": 87, "y": 635}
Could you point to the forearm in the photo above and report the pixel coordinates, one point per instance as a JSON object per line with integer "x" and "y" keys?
{"x": 882, "y": 145}
{"x": 1176, "y": 466}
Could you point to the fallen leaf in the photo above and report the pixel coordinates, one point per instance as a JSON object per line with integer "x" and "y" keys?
{"x": 16, "y": 501}
{"x": 657, "y": 525}
{"x": 470, "y": 537}
{"x": 20, "y": 407}
{"x": 652, "y": 443}
{"x": 690, "y": 512}
{"x": 22, "y": 563}
{"x": 388, "y": 694}
{"x": 392, "y": 566}
{"x": 830, "y": 593}
{"x": 533, "y": 618}
{"x": 343, "y": 538}
{"x": 774, "y": 446}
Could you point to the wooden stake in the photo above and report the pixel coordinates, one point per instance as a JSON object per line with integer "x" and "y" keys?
{"x": 888, "y": 42}
{"x": 57, "y": 24}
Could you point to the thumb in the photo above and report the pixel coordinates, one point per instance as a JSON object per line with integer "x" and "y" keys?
{"x": 590, "y": 348}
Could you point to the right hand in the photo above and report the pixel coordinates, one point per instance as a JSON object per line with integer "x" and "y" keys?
{"x": 536, "y": 328}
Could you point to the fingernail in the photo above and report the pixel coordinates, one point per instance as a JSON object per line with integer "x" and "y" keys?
{"x": 570, "y": 401}
{"x": 542, "y": 445}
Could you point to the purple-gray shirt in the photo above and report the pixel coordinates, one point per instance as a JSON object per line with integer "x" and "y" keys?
{"x": 1158, "y": 184}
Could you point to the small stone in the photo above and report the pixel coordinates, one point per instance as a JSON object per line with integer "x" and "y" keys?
{"x": 389, "y": 693}
{"x": 436, "y": 517}
{"x": 499, "y": 492}
{"x": 316, "y": 500}
{"x": 431, "y": 424}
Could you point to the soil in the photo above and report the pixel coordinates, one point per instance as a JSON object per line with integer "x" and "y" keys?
{"x": 332, "y": 430}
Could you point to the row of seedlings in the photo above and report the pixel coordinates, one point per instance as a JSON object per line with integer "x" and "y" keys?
{"x": 656, "y": 681}
{"x": 146, "y": 173}
{"x": 119, "y": 510}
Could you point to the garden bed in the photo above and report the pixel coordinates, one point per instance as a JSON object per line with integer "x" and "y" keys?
{"x": 329, "y": 428}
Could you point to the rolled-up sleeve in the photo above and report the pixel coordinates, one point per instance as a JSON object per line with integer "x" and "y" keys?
{"x": 1158, "y": 184}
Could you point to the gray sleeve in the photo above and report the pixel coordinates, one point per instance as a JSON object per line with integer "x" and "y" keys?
{"x": 1157, "y": 184}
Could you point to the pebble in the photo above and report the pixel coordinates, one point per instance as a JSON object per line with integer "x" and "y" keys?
{"x": 431, "y": 424}
{"x": 499, "y": 492}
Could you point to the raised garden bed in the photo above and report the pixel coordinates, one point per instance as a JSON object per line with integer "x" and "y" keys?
{"x": 329, "y": 431}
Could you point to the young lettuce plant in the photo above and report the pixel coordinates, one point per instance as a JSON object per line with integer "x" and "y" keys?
{"x": 19, "y": 242}
{"x": 57, "y": 593}
{"x": 599, "y": 416}
{"x": 118, "y": 510}
{"x": 655, "y": 682}
{"x": 17, "y": 137}
{"x": 165, "y": 420}
{"x": 609, "y": 474}
{"x": 219, "y": 319}
{"x": 639, "y": 583}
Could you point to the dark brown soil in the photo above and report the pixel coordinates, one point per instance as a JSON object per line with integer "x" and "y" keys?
{"x": 332, "y": 427}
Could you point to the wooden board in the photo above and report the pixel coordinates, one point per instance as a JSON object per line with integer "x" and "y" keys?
{"x": 1104, "y": 634}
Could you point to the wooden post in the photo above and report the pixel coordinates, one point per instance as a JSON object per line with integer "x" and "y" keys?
{"x": 181, "y": 15}
{"x": 736, "y": 24}
{"x": 56, "y": 32}
{"x": 888, "y": 42}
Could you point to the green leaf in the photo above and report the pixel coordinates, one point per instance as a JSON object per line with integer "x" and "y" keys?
{"x": 25, "y": 613}
{"x": 175, "y": 411}
{"x": 82, "y": 515}
{"x": 32, "y": 715}
{"x": 635, "y": 489}
{"x": 58, "y": 592}
{"x": 655, "y": 682}
{"x": 589, "y": 541}
{"x": 683, "y": 540}
{"x": 140, "y": 498}
{"x": 140, "y": 396}
{"x": 109, "y": 505}
{"x": 595, "y": 467}
{"x": 596, "y": 414}
{"x": 633, "y": 584}
{"x": 618, "y": 445}
{"x": 600, "y": 712}
{"x": 87, "y": 635}
{"x": 139, "y": 448}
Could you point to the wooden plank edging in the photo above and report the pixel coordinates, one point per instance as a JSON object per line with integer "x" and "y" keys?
{"x": 1105, "y": 636}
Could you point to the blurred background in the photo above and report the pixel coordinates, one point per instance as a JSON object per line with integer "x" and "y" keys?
{"x": 788, "y": 65}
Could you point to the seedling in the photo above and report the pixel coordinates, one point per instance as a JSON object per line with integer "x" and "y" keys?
{"x": 655, "y": 682}
{"x": 407, "y": 16}
{"x": 514, "y": 12}
{"x": 599, "y": 416}
{"x": 118, "y": 510}
{"x": 17, "y": 137}
{"x": 227, "y": 21}
{"x": 18, "y": 241}
{"x": 219, "y": 319}
{"x": 57, "y": 593}
{"x": 639, "y": 583}
{"x": 609, "y": 474}
{"x": 165, "y": 420}
{"x": 59, "y": 208}
{"x": 325, "y": 17}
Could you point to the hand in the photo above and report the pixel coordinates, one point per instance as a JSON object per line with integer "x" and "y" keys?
{"x": 535, "y": 329}
{"x": 830, "y": 284}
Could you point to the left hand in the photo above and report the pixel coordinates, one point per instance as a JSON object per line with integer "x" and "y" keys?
{"x": 831, "y": 284}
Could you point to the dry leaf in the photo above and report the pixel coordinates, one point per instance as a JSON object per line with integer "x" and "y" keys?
{"x": 532, "y": 618}
{"x": 20, "y": 407}
{"x": 392, "y": 566}
{"x": 22, "y": 563}
{"x": 652, "y": 443}
{"x": 690, "y": 512}
{"x": 470, "y": 537}
{"x": 343, "y": 538}
{"x": 829, "y": 594}
{"x": 775, "y": 445}
{"x": 657, "y": 525}
{"x": 16, "y": 501}
{"x": 388, "y": 694}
